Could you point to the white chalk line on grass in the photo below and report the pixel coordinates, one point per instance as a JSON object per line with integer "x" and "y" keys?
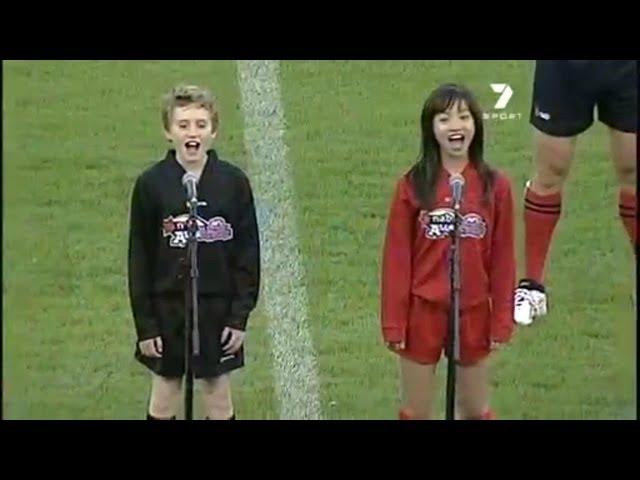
{"x": 283, "y": 279}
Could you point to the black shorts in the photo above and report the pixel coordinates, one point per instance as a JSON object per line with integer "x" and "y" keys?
{"x": 212, "y": 362}
{"x": 566, "y": 92}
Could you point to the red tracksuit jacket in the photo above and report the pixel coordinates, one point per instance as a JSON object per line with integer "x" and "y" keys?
{"x": 416, "y": 253}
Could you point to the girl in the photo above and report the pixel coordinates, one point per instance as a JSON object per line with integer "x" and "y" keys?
{"x": 415, "y": 270}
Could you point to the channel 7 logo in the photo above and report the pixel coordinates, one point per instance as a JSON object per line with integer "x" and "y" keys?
{"x": 505, "y": 92}
{"x": 498, "y": 112}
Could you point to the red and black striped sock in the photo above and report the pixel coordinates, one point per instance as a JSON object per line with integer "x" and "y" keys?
{"x": 541, "y": 214}
{"x": 627, "y": 208}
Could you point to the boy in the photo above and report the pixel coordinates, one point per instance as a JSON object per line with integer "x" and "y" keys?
{"x": 228, "y": 260}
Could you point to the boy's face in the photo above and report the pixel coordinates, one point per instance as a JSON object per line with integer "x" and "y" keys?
{"x": 191, "y": 132}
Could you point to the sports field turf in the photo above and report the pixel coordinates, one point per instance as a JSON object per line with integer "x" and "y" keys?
{"x": 76, "y": 134}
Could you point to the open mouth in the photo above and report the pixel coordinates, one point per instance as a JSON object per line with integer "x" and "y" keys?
{"x": 192, "y": 147}
{"x": 456, "y": 140}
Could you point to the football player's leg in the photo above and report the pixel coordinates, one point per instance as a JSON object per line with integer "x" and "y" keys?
{"x": 618, "y": 109}
{"x": 624, "y": 151}
{"x": 216, "y": 398}
{"x": 542, "y": 208}
{"x": 562, "y": 108}
{"x": 559, "y": 112}
{"x": 165, "y": 395}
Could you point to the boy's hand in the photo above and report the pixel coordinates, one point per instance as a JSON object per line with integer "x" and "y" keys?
{"x": 151, "y": 347}
{"x": 232, "y": 340}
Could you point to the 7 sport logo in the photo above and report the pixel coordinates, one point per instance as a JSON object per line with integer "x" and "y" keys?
{"x": 506, "y": 92}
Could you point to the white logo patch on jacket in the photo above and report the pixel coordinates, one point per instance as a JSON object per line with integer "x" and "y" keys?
{"x": 438, "y": 224}
{"x": 216, "y": 229}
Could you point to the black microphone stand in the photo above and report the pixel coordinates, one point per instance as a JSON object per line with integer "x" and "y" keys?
{"x": 453, "y": 337}
{"x": 191, "y": 332}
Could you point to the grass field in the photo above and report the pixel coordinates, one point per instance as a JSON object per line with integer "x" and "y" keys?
{"x": 76, "y": 134}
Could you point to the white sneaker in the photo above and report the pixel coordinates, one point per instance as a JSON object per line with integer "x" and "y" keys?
{"x": 530, "y": 302}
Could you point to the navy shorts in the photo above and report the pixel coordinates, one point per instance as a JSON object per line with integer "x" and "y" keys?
{"x": 212, "y": 362}
{"x": 566, "y": 93}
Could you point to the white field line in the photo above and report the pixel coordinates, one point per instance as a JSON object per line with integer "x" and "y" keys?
{"x": 283, "y": 279}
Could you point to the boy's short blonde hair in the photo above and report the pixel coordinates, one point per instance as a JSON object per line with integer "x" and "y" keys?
{"x": 182, "y": 95}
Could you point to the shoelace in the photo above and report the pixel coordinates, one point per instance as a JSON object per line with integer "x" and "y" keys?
{"x": 522, "y": 295}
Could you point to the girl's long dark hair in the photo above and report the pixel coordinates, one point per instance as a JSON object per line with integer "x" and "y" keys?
{"x": 424, "y": 174}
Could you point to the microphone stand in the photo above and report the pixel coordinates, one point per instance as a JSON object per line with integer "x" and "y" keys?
{"x": 453, "y": 337}
{"x": 191, "y": 332}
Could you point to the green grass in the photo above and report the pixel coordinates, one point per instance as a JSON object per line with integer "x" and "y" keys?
{"x": 77, "y": 133}
{"x": 353, "y": 129}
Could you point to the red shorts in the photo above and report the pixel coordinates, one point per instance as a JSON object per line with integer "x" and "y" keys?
{"x": 427, "y": 332}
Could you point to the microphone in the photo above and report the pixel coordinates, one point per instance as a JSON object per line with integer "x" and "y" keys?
{"x": 189, "y": 182}
{"x": 456, "y": 182}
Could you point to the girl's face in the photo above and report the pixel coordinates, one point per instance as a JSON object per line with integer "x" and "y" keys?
{"x": 454, "y": 130}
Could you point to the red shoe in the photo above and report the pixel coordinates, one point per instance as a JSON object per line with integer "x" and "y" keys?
{"x": 406, "y": 414}
{"x": 488, "y": 415}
